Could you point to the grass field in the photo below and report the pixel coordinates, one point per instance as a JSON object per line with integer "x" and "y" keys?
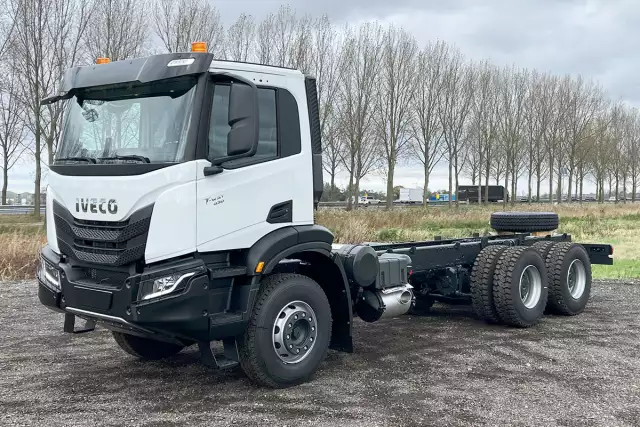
{"x": 619, "y": 225}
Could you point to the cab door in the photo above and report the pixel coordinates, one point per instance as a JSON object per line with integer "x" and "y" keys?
{"x": 255, "y": 195}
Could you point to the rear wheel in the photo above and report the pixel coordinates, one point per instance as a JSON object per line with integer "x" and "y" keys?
{"x": 482, "y": 276}
{"x": 569, "y": 279}
{"x": 288, "y": 333}
{"x": 145, "y": 348}
{"x": 520, "y": 287}
{"x": 543, "y": 247}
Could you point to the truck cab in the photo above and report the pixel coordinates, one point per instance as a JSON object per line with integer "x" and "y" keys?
{"x": 180, "y": 212}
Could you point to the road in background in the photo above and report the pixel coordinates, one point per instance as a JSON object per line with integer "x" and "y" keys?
{"x": 444, "y": 369}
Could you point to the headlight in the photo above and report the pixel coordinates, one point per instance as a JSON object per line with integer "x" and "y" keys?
{"x": 164, "y": 285}
{"x": 49, "y": 275}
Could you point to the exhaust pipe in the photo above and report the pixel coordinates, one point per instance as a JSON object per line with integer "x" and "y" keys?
{"x": 385, "y": 303}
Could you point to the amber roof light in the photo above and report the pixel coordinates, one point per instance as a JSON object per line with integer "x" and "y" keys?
{"x": 198, "y": 47}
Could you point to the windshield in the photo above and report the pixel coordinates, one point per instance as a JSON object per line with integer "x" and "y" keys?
{"x": 128, "y": 123}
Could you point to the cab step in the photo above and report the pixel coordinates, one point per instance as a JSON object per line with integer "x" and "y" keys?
{"x": 228, "y": 359}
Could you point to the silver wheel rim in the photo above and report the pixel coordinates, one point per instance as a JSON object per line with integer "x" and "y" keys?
{"x": 530, "y": 286}
{"x": 294, "y": 332}
{"x": 576, "y": 279}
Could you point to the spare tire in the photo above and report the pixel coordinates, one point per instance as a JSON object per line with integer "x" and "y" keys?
{"x": 524, "y": 221}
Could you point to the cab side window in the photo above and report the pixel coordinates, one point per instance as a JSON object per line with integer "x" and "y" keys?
{"x": 219, "y": 126}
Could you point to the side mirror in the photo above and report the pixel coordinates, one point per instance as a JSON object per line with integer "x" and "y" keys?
{"x": 242, "y": 139}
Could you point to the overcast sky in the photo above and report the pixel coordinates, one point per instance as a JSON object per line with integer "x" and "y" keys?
{"x": 598, "y": 39}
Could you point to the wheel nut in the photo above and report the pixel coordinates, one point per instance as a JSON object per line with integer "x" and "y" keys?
{"x": 288, "y": 337}
{"x": 304, "y": 314}
{"x": 289, "y": 324}
{"x": 305, "y": 347}
{"x": 295, "y": 317}
{"x": 313, "y": 328}
{"x": 311, "y": 339}
{"x": 290, "y": 346}
{"x": 297, "y": 350}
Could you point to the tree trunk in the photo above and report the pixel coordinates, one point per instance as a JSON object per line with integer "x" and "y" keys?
{"x": 5, "y": 176}
{"x": 450, "y": 179}
{"x": 332, "y": 184}
{"x": 425, "y": 192}
{"x": 529, "y": 182}
{"x": 551, "y": 179}
{"x": 36, "y": 193}
{"x": 357, "y": 192}
{"x": 486, "y": 181}
{"x": 570, "y": 184}
{"x": 350, "y": 193}
{"x": 538, "y": 182}
{"x": 506, "y": 188}
{"x": 390, "y": 184}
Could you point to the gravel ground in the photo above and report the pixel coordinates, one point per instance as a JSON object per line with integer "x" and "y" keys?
{"x": 445, "y": 369}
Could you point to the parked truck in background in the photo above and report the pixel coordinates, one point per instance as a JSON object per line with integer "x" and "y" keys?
{"x": 180, "y": 212}
{"x": 411, "y": 196}
{"x": 469, "y": 193}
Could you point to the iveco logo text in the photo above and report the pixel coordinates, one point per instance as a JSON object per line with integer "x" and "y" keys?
{"x": 95, "y": 206}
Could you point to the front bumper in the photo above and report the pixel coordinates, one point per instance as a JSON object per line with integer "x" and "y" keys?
{"x": 184, "y": 316}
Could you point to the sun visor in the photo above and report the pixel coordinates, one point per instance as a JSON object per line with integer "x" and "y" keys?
{"x": 141, "y": 70}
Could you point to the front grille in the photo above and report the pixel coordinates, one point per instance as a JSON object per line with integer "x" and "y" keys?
{"x": 113, "y": 243}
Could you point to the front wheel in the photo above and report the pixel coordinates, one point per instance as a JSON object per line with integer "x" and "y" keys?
{"x": 288, "y": 333}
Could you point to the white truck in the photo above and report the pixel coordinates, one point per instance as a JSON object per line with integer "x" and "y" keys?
{"x": 180, "y": 211}
{"x": 411, "y": 196}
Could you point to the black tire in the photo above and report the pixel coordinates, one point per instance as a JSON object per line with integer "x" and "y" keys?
{"x": 482, "y": 275}
{"x": 543, "y": 247}
{"x": 524, "y": 222}
{"x": 258, "y": 357}
{"x": 145, "y": 348}
{"x": 510, "y": 269}
{"x": 559, "y": 260}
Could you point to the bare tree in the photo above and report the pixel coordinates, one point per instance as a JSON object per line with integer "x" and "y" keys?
{"x": 551, "y": 108}
{"x": 482, "y": 149}
{"x": 240, "y": 39}
{"x": 300, "y": 52}
{"x": 47, "y": 37}
{"x": 284, "y": 34}
{"x": 454, "y": 111}
{"x": 426, "y": 127}
{"x": 266, "y": 40}
{"x": 632, "y": 150}
{"x": 540, "y": 113}
{"x": 396, "y": 85}
{"x": 7, "y": 24}
{"x": 584, "y": 102}
{"x": 178, "y": 23}
{"x": 121, "y": 29}
{"x": 12, "y": 127}
{"x": 324, "y": 55}
{"x": 511, "y": 109}
{"x": 360, "y": 64}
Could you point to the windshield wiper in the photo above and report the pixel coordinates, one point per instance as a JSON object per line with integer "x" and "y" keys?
{"x": 77, "y": 159}
{"x": 130, "y": 157}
